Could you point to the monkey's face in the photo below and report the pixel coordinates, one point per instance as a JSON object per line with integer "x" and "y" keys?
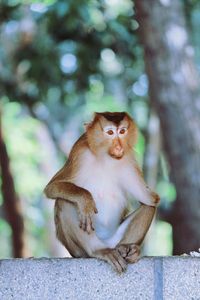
{"x": 112, "y": 133}
{"x": 115, "y": 139}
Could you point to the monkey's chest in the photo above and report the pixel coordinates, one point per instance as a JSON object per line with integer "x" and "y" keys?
{"x": 102, "y": 178}
{"x": 110, "y": 202}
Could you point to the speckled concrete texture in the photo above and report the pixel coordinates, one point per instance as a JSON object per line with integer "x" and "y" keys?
{"x": 74, "y": 279}
{"x": 181, "y": 278}
{"x": 167, "y": 278}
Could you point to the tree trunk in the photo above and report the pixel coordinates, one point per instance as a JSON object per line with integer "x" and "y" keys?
{"x": 174, "y": 93}
{"x": 152, "y": 153}
{"x": 150, "y": 168}
{"x": 11, "y": 202}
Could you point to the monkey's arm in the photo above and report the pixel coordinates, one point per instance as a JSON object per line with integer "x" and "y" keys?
{"x": 81, "y": 197}
{"x": 152, "y": 196}
{"x": 141, "y": 191}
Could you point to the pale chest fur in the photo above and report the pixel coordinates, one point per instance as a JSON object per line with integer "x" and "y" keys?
{"x": 109, "y": 180}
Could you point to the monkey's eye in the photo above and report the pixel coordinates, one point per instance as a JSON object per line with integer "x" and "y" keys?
{"x": 122, "y": 130}
{"x": 110, "y": 132}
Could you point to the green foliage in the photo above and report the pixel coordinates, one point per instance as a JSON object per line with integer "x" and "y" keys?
{"x": 71, "y": 35}
{"x": 61, "y": 61}
{"x": 24, "y": 150}
{"x": 26, "y": 156}
{"x": 162, "y": 236}
{"x": 5, "y": 233}
{"x": 166, "y": 191}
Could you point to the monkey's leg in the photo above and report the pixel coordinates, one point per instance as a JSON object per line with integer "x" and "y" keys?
{"x": 128, "y": 238}
{"x": 78, "y": 242}
{"x": 133, "y": 231}
{"x": 140, "y": 222}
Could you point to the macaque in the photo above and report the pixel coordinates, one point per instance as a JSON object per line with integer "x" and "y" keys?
{"x": 92, "y": 192}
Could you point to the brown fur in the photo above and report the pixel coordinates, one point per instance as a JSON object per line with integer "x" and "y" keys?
{"x": 75, "y": 207}
{"x": 73, "y": 248}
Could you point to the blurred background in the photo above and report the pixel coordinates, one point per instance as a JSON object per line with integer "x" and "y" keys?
{"x": 62, "y": 60}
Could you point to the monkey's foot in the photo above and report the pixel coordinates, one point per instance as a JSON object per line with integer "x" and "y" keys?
{"x": 114, "y": 258}
{"x": 130, "y": 252}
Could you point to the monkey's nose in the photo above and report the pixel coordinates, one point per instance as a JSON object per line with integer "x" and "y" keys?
{"x": 119, "y": 149}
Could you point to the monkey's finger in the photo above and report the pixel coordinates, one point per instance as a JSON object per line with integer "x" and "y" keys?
{"x": 91, "y": 224}
{"x": 121, "y": 261}
{"x": 110, "y": 258}
{"x": 133, "y": 248}
{"x": 82, "y": 223}
{"x": 112, "y": 264}
{"x": 133, "y": 259}
{"x": 122, "y": 249}
{"x": 133, "y": 256}
{"x": 89, "y": 227}
{"x": 132, "y": 252}
{"x": 118, "y": 267}
{"x": 112, "y": 261}
{"x": 95, "y": 210}
{"x": 80, "y": 219}
{"x": 118, "y": 264}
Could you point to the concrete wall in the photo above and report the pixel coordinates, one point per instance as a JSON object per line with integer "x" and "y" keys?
{"x": 169, "y": 278}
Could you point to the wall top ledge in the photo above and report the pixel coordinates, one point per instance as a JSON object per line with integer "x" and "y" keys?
{"x": 171, "y": 277}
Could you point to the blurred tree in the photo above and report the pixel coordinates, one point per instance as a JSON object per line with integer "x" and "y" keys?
{"x": 11, "y": 202}
{"x": 62, "y": 60}
{"x": 57, "y": 58}
{"x": 174, "y": 91}
{"x": 85, "y": 41}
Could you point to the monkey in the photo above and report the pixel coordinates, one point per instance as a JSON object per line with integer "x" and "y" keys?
{"x": 92, "y": 191}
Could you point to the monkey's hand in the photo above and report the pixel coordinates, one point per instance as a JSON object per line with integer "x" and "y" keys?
{"x": 113, "y": 257}
{"x": 130, "y": 252}
{"x": 86, "y": 210}
{"x": 155, "y": 197}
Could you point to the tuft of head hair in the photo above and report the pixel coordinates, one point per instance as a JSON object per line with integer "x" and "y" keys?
{"x": 114, "y": 117}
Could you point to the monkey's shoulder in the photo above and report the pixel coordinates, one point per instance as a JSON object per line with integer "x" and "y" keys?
{"x": 78, "y": 148}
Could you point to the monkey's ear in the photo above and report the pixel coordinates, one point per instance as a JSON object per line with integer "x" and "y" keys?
{"x": 87, "y": 125}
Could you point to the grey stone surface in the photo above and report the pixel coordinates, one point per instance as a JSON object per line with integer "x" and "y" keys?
{"x": 181, "y": 278}
{"x": 74, "y": 279}
{"x": 168, "y": 278}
